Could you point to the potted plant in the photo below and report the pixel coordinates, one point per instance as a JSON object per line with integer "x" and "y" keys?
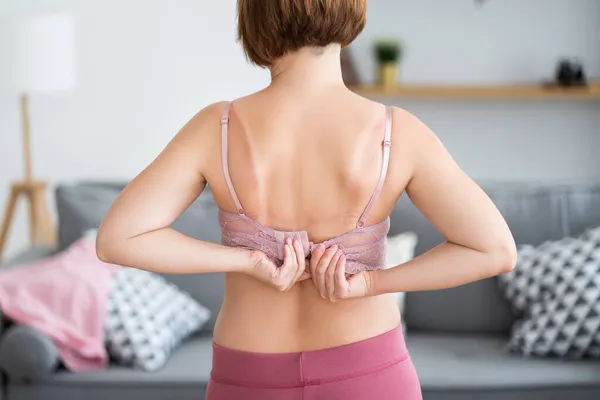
{"x": 388, "y": 53}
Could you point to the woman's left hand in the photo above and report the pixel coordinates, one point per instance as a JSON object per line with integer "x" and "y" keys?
{"x": 328, "y": 273}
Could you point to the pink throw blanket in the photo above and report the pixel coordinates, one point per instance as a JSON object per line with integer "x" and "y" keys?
{"x": 65, "y": 297}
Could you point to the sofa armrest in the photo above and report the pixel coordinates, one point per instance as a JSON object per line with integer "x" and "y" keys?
{"x": 27, "y": 356}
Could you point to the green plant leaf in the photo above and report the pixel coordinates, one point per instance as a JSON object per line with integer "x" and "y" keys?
{"x": 388, "y": 50}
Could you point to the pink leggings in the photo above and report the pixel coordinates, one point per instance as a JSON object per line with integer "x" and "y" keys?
{"x": 377, "y": 368}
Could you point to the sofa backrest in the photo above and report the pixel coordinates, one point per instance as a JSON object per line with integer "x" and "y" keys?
{"x": 534, "y": 213}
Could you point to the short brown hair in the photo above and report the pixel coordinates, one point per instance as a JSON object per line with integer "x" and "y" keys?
{"x": 269, "y": 29}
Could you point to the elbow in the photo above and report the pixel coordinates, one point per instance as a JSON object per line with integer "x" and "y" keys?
{"x": 104, "y": 247}
{"x": 103, "y": 255}
{"x": 504, "y": 257}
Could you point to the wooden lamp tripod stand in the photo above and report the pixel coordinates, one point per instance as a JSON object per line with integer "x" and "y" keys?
{"x": 41, "y": 231}
{"x": 38, "y": 56}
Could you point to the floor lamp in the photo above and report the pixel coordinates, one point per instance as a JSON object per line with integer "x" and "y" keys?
{"x": 36, "y": 56}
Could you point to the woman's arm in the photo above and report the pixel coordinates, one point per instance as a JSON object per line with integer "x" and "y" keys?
{"x": 136, "y": 233}
{"x": 478, "y": 242}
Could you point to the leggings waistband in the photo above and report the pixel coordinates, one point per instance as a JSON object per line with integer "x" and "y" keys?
{"x": 279, "y": 370}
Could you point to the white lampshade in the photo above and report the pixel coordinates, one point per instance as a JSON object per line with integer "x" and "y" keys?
{"x": 37, "y": 53}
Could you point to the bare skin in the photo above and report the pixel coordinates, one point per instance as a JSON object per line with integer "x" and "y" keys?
{"x": 305, "y": 154}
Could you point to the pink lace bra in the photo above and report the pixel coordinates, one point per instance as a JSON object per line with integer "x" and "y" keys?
{"x": 363, "y": 246}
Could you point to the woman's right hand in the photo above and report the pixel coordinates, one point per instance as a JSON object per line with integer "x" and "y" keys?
{"x": 281, "y": 278}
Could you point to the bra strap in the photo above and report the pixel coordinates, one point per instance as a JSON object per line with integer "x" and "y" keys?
{"x": 225, "y": 157}
{"x": 386, "y": 144}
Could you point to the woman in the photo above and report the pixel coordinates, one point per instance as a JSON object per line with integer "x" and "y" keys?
{"x": 305, "y": 174}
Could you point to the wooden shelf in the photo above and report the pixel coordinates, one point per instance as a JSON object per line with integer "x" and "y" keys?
{"x": 591, "y": 93}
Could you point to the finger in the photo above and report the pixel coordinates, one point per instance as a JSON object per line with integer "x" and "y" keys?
{"x": 303, "y": 277}
{"x": 281, "y": 281}
{"x": 357, "y": 285}
{"x": 291, "y": 272}
{"x": 341, "y": 282}
{"x": 330, "y": 276}
{"x": 276, "y": 276}
{"x": 322, "y": 269}
{"x": 314, "y": 262}
{"x": 300, "y": 260}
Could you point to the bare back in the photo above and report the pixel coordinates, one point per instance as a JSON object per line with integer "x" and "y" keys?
{"x": 305, "y": 159}
{"x": 304, "y": 165}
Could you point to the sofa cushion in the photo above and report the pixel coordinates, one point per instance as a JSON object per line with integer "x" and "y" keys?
{"x": 556, "y": 286}
{"x": 148, "y": 318}
{"x": 184, "y": 377}
{"x": 535, "y": 213}
{"x": 471, "y": 362}
{"x": 438, "y": 359}
{"x": 444, "y": 362}
{"x": 190, "y": 364}
{"x": 82, "y": 206}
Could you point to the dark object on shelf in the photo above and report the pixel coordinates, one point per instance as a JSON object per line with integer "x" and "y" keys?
{"x": 570, "y": 73}
{"x": 388, "y": 51}
{"x": 349, "y": 73}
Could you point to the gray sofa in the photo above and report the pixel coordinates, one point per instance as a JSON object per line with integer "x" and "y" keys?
{"x": 456, "y": 337}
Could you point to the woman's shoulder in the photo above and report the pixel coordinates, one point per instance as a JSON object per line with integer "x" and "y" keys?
{"x": 408, "y": 126}
{"x": 205, "y": 123}
{"x": 371, "y": 106}
{"x": 202, "y": 130}
{"x": 210, "y": 112}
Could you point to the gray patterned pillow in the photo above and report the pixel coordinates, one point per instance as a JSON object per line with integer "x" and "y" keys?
{"x": 148, "y": 318}
{"x": 556, "y": 289}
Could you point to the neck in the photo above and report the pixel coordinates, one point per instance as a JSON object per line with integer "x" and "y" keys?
{"x": 309, "y": 68}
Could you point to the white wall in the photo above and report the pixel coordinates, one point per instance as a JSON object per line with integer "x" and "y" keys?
{"x": 503, "y": 41}
{"x": 146, "y": 66}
